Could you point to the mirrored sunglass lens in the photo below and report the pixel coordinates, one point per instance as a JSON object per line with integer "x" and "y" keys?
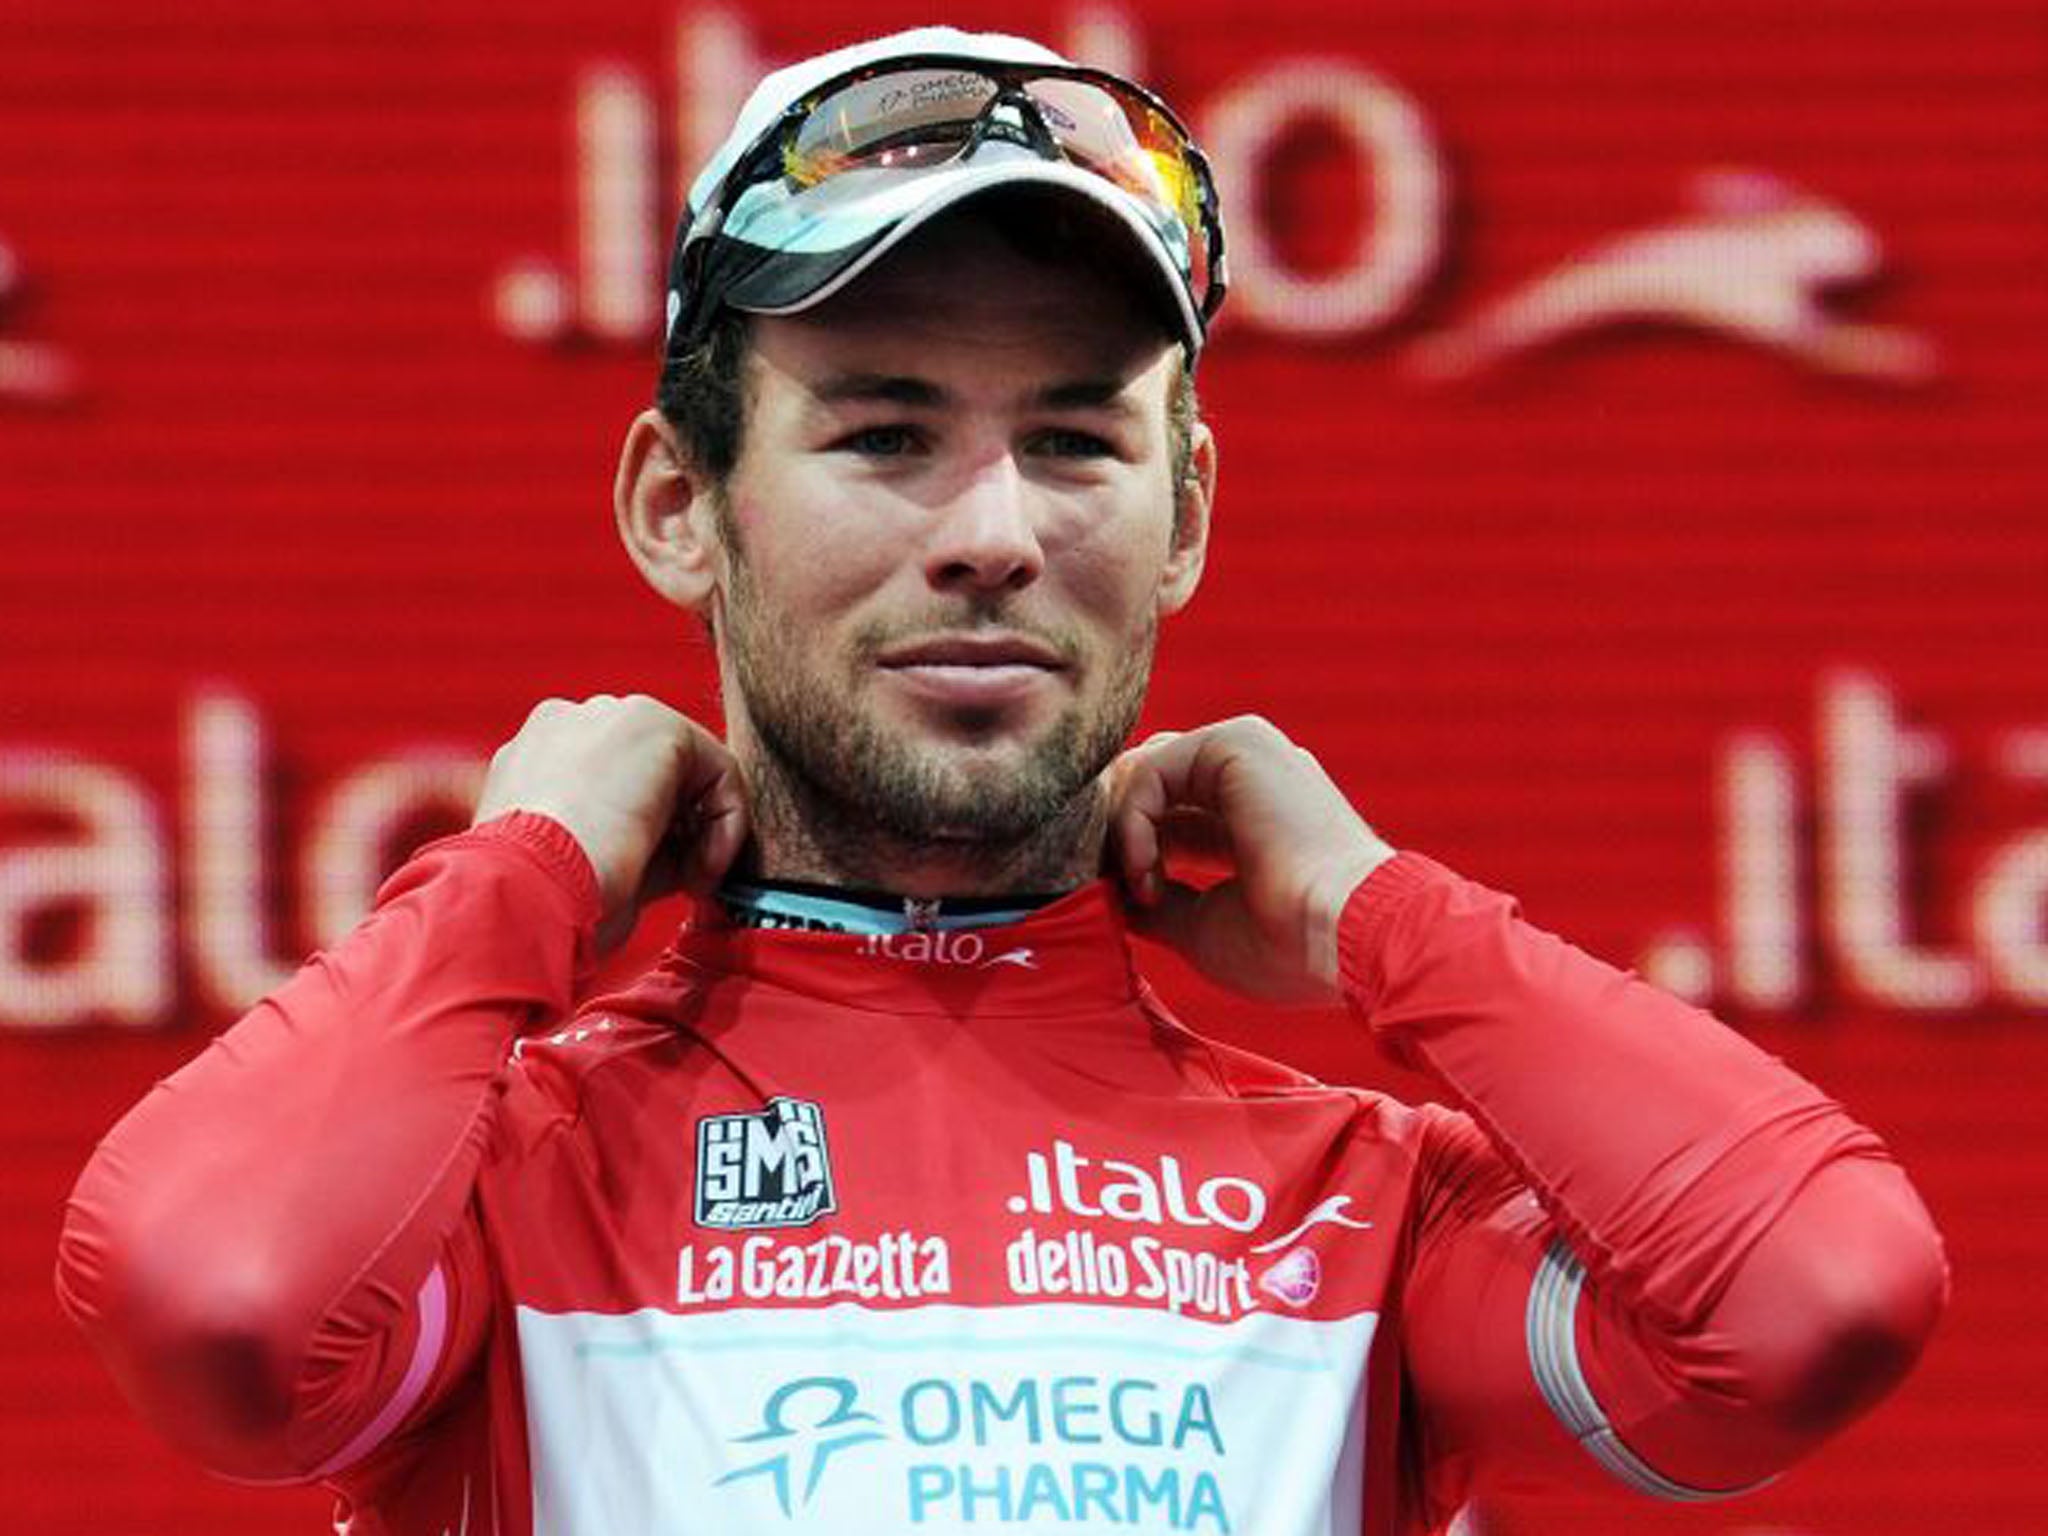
{"x": 904, "y": 119}
{"x": 1198, "y": 267}
{"x": 884, "y": 112}
{"x": 1124, "y": 139}
{"x": 1088, "y": 121}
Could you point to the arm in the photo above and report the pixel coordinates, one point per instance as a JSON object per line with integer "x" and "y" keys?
{"x": 274, "y": 1252}
{"x": 1717, "y": 1267}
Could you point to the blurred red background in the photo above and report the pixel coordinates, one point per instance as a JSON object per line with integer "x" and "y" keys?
{"x": 1633, "y": 458}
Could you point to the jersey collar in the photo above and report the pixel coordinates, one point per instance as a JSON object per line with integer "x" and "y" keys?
{"x": 1071, "y": 954}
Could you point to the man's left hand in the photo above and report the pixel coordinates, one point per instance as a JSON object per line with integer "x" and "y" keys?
{"x": 1240, "y": 793}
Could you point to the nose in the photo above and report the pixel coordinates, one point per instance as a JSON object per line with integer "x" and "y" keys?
{"x": 986, "y": 539}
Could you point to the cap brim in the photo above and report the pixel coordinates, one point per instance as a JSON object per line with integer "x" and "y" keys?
{"x": 784, "y": 279}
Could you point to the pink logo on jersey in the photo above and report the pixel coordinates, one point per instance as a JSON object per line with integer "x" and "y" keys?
{"x": 1295, "y": 1277}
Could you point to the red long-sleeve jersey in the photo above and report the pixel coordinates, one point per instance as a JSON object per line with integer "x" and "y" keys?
{"x": 953, "y": 1230}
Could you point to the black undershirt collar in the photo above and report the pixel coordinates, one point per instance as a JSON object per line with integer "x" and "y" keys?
{"x": 812, "y": 908}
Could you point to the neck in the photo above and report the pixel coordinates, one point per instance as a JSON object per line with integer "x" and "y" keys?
{"x": 803, "y": 833}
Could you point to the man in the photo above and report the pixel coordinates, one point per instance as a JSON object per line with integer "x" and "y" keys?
{"x": 891, "y": 1198}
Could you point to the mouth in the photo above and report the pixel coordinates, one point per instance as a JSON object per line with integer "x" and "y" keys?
{"x": 972, "y": 670}
{"x": 973, "y": 650}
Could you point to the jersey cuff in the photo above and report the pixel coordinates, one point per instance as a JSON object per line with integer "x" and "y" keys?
{"x": 552, "y": 846}
{"x": 1369, "y": 913}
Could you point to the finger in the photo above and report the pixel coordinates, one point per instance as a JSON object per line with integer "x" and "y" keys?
{"x": 1211, "y": 929}
{"x": 1137, "y": 802}
{"x": 1188, "y": 833}
{"x": 1179, "y": 775}
{"x": 1169, "y": 918}
{"x": 718, "y": 820}
{"x": 1142, "y": 808}
{"x": 1208, "y": 926}
{"x": 695, "y": 853}
{"x": 1185, "y": 763}
{"x": 1145, "y": 749}
{"x": 667, "y": 871}
{"x": 716, "y": 844}
{"x": 703, "y": 762}
{"x": 1158, "y": 739}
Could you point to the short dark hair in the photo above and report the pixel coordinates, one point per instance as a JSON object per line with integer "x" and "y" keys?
{"x": 703, "y": 395}
{"x": 703, "y": 388}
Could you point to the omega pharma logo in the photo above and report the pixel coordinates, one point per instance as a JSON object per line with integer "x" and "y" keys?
{"x": 1069, "y": 1449}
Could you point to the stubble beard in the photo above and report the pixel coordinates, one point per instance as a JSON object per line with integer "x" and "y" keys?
{"x": 840, "y": 795}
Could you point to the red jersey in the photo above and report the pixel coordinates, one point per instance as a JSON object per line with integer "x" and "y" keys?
{"x": 962, "y": 1229}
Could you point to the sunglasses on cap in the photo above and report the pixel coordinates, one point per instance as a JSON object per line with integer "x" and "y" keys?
{"x": 919, "y": 112}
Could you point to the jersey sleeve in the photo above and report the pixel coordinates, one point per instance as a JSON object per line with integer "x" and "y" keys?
{"x": 1642, "y": 1243}
{"x": 276, "y": 1252}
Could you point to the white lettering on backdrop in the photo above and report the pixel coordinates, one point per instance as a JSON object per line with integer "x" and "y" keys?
{"x": 106, "y": 890}
{"x": 1752, "y": 259}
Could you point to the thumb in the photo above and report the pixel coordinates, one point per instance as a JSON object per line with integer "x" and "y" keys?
{"x": 1214, "y": 931}
{"x": 1208, "y": 927}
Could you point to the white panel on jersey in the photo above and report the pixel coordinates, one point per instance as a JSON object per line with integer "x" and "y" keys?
{"x": 943, "y": 1419}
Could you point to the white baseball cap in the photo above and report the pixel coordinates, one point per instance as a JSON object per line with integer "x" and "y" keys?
{"x": 837, "y": 159}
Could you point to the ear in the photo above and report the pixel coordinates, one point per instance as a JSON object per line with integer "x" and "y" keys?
{"x": 1192, "y": 499}
{"x": 663, "y": 504}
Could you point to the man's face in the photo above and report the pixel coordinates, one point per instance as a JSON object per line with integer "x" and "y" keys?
{"x": 949, "y": 539}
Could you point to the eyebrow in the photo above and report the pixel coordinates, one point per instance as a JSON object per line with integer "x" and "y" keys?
{"x": 889, "y": 388}
{"x": 1107, "y": 393}
{"x": 1087, "y": 394}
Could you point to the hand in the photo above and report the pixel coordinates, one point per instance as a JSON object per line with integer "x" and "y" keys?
{"x": 1242, "y": 793}
{"x": 655, "y": 800}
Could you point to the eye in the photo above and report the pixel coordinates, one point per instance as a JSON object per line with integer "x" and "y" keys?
{"x": 881, "y": 442}
{"x": 1072, "y": 443}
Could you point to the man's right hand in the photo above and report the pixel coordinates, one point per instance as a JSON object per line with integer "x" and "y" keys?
{"x": 655, "y": 800}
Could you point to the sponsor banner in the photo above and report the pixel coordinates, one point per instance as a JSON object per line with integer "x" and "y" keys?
{"x": 897, "y": 1266}
{"x": 944, "y": 1419}
{"x": 1121, "y": 1191}
{"x": 1151, "y": 1235}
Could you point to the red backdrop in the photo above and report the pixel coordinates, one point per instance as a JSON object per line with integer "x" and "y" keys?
{"x": 1632, "y": 488}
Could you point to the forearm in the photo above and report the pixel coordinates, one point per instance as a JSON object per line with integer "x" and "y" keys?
{"x": 253, "y": 1248}
{"x": 1753, "y": 1261}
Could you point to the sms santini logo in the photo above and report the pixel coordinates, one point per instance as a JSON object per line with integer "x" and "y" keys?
{"x": 764, "y": 1168}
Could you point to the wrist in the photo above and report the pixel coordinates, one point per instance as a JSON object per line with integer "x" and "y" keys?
{"x": 1328, "y": 897}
